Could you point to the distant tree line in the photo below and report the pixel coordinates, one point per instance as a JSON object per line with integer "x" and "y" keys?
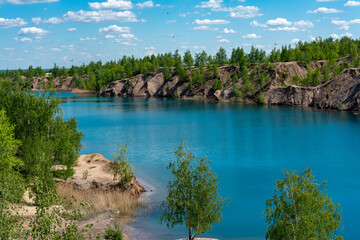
{"x": 99, "y": 74}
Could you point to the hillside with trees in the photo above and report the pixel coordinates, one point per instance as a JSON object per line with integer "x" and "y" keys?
{"x": 294, "y": 72}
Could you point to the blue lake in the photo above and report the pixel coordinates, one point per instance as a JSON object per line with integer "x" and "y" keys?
{"x": 249, "y": 146}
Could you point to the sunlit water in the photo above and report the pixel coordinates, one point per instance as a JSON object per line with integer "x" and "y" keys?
{"x": 249, "y": 146}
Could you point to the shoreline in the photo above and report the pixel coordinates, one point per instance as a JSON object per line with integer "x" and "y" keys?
{"x": 198, "y": 98}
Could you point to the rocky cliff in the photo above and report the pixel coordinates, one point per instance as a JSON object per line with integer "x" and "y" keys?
{"x": 341, "y": 92}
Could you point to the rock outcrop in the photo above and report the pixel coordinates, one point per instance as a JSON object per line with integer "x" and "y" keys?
{"x": 340, "y": 93}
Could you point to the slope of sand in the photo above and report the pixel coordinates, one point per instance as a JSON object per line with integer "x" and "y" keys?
{"x": 99, "y": 176}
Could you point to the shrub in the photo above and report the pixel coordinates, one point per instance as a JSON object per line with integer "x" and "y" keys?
{"x": 114, "y": 233}
{"x": 217, "y": 85}
{"x": 237, "y": 92}
{"x": 262, "y": 99}
{"x": 85, "y": 174}
{"x": 123, "y": 171}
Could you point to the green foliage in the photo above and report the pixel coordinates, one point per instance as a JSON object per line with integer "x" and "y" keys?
{"x": 296, "y": 79}
{"x": 181, "y": 72}
{"x": 193, "y": 198}
{"x": 167, "y": 74}
{"x": 237, "y": 92}
{"x": 46, "y": 139}
{"x": 114, "y": 233}
{"x": 56, "y": 222}
{"x": 100, "y": 74}
{"x": 188, "y": 59}
{"x": 217, "y": 85}
{"x": 123, "y": 171}
{"x": 12, "y": 185}
{"x": 221, "y": 58}
{"x": 300, "y": 209}
{"x": 262, "y": 99}
{"x": 234, "y": 77}
{"x": 340, "y": 105}
{"x": 263, "y": 78}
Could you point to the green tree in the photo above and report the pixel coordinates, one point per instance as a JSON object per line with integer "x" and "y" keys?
{"x": 123, "y": 171}
{"x": 193, "y": 199}
{"x": 300, "y": 209}
{"x": 46, "y": 139}
{"x": 12, "y": 185}
{"x": 188, "y": 59}
{"x": 221, "y": 58}
{"x": 217, "y": 85}
{"x": 167, "y": 74}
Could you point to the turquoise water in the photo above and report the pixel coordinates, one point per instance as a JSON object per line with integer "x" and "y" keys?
{"x": 249, "y": 146}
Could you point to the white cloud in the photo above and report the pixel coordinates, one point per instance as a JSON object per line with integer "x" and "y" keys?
{"x": 346, "y": 35}
{"x": 100, "y": 16}
{"x": 282, "y": 24}
{"x": 56, "y": 49}
{"x": 53, "y": 20}
{"x": 326, "y": 0}
{"x": 245, "y": 12}
{"x": 32, "y": 31}
{"x": 278, "y": 22}
{"x": 345, "y": 25}
{"x": 72, "y": 29}
{"x": 235, "y": 12}
{"x": 19, "y": 2}
{"x": 194, "y": 47}
{"x": 26, "y": 39}
{"x": 128, "y": 43}
{"x": 210, "y": 22}
{"x": 205, "y": 28}
{"x": 127, "y": 36}
{"x": 112, "y": 4}
{"x": 335, "y": 36}
{"x": 108, "y": 36}
{"x": 170, "y": 21}
{"x": 287, "y": 29}
{"x": 223, "y": 41}
{"x": 88, "y": 39}
{"x": 352, "y": 4}
{"x": 210, "y": 4}
{"x": 8, "y": 23}
{"x": 325, "y": 10}
{"x": 257, "y": 24}
{"x": 227, "y": 31}
{"x": 182, "y": 15}
{"x": 147, "y": 4}
{"x": 9, "y": 49}
{"x": 251, "y": 35}
{"x": 304, "y": 24}
{"x": 36, "y": 20}
{"x": 114, "y": 29}
{"x": 295, "y": 40}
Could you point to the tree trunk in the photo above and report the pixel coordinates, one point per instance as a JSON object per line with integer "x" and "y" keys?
{"x": 190, "y": 234}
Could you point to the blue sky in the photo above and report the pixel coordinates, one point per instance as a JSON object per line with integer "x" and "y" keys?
{"x": 68, "y": 32}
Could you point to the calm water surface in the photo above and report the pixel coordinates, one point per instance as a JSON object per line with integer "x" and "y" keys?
{"x": 249, "y": 146}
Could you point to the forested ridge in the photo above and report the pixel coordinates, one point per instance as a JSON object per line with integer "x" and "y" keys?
{"x": 100, "y": 74}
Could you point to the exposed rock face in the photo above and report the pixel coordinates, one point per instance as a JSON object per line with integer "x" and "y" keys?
{"x": 341, "y": 93}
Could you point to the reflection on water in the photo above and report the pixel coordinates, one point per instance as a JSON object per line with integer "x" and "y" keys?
{"x": 249, "y": 146}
